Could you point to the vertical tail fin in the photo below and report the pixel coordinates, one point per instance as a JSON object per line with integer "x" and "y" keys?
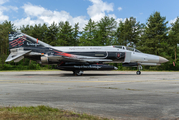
{"x": 17, "y": 39}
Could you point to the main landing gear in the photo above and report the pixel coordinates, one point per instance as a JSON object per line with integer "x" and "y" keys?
{"x": 139, "y": 67}
{"x": 77, "y": 72}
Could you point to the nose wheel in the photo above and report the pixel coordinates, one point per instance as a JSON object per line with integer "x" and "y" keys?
{"x": 138, "y": 72}
{"x": 77, "y": 72}
{"x": 139, "y": 67}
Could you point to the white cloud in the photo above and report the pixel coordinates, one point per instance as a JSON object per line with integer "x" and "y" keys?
{"x": 25, "y": 21}
{"x": 5, "y": 8}
{"x": 120, "y": 19}
{"x": 32, "y": 10}
{"x": 119, "y": 8}
{"x": 3, "y": 17}
{"x": 98, "y": 9}
{"x": 173, "y": 21}
{"x": 81, "y": 20}
{"x": 112, "y": 16}
{"x": 37, "y": 14}
{"x": 3, "y": 1}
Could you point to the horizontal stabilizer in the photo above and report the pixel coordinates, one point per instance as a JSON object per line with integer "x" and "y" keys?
{"x": 17, "y": 57}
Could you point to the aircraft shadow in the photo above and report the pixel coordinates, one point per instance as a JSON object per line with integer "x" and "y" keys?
{"x": 71, "y": 75}
{"x": 95, "y": 74}
{"x": 86, "y": 74}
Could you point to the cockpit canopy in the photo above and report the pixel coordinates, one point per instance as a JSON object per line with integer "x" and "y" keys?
{"x": 127, "y": 48}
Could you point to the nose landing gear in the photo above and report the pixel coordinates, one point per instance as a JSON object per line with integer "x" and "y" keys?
{"x": 139, "y": 67}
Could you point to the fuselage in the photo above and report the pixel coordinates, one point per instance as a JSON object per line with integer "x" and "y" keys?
{"x": 118, "y": 55}
{"x": 77, "y": 58}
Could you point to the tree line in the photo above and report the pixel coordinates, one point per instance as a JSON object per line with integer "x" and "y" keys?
{"x": 153, "y": 37}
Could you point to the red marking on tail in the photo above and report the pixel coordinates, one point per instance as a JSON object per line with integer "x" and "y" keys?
{"x": 17, "y": 41}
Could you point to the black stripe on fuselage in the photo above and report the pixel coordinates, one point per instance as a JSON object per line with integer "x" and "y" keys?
{"x": 107, "y": 55}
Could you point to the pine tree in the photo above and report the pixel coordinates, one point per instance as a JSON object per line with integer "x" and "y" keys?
{"x": 51, "y": 34}
{"x": 27, "y": 29}
{"x": 5, "y": 28}
{"x": 39, "y": 31}
{"x": 106, "y": 30}
{"x": 65, "y": 35}
{"x": 88, "y": 37}
{"x": 76, "y": 35}
{"x": 174, "y": 36}
{"x": 154, "y": 39}
{"x": 120, "y": 38}
{"x": 128, "y": 32}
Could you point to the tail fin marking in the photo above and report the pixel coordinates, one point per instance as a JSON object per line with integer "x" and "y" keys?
{"x": 17, "y": 39}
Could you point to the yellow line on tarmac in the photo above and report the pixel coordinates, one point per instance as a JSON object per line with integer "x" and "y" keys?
{"x": 87, "y": 81}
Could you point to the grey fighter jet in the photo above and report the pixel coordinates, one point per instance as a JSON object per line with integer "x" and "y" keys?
{"x": 78, "y": 58}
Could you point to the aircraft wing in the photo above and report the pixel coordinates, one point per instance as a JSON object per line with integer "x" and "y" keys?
{"x": 97, "y": 60}
{"x": 77, "y": 58}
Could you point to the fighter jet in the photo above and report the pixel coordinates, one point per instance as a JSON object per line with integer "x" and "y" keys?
{"x": 78, "y": 58}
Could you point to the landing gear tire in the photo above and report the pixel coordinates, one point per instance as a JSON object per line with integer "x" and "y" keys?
{"x": 77, "y": 73}
{"x": 138, "y": 72}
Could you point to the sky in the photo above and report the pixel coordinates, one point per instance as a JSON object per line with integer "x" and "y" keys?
{"x": 31, "y": 12}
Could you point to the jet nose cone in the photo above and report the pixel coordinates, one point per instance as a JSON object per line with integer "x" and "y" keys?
{"x": 162, "y": 60}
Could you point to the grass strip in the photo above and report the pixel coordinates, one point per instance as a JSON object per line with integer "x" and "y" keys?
{"x": 42, "y": 113}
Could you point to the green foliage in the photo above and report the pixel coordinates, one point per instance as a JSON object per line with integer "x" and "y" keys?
{"x": 7, "y": 67}
{"x": 76, "y": 32}
{"x": 5, "y": 27}
{"x": 128, "y": 32}
{"x": 174, "y": 38}
{"x": 51, "y": 34}
{"x": 89, "y": 35}
{"x": 65, "y": 35}
{"x": 155, "y": 35}
{"x": 24, "y": 65}
{"x": 106, "y": 31}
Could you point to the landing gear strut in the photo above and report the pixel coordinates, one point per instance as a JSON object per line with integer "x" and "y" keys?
{"x": 77, "y": 72}
{"x": 139, "y": 67}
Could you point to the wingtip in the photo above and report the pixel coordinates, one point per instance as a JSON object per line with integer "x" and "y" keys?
{"x": 7, "y": 61}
